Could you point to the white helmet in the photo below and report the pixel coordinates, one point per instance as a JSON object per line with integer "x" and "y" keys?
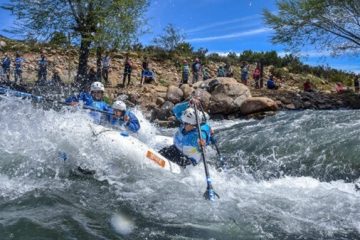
{"x": 189, "y": 116}
{"x": 97, "y": 86}
{"x": 119, "y": 105}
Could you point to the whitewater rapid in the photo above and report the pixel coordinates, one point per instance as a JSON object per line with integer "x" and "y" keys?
{"x": 287, "y": 176}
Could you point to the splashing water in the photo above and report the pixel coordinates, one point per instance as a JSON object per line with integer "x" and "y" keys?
{"x": 287, "y": 177}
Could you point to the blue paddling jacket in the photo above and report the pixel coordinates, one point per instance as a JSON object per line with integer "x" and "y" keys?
{"x": 6, "y": 62}
{"x": 18, "y": 64}
{"x": 188, "y": 142}
{"x": 90, "y": 102}
{"x": 133, "y": 123}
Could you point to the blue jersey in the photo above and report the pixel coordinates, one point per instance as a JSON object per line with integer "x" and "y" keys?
{"x": 271, "y": 84}
{"x": 188, "y": 142}
{"x": 133, "y": 123}
{"x": 6, "y": 62}
{"x": 89, "y": 101}
{"x": 18, "y": 63}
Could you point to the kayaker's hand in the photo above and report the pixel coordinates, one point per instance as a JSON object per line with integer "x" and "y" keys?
{"x": 126, "y": 118}
{"x": 73, "y": 104}
{"x": 202, "y": 142}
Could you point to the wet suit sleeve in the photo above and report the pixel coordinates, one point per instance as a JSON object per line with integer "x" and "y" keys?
{"x": 72, "y": 99}
{"x": 133, "y": 123}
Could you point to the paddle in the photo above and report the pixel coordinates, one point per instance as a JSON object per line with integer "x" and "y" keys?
{"x": 209, "y": 193}
{"x": 42, "y": 98}
{"x": 212, "y": 139}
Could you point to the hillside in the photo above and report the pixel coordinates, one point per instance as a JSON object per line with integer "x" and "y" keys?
{"x": 168, "y": 73}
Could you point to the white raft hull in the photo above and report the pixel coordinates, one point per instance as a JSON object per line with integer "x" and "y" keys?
{"x": 133, "y": 149}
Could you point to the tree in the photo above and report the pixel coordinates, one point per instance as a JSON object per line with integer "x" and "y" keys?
{"x": 327, "y": 24}
{"x": 170, "y": 39}
{"x": 90, "y": 21}
{"x": 59, "y": 38}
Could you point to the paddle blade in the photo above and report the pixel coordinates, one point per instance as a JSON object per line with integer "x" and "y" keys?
{"x": 210, "y": 194}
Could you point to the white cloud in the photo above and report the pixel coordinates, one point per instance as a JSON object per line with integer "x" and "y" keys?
{"x": 308, "y": 53}
{"x": 217, "y": 24}
{"x": 232, "y": 35}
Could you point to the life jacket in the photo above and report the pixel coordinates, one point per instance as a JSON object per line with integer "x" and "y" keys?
{"x": 188, "y": 142}
{"x": 133, "y": 123}
{"x": 186, "y": 69}
{"x": 196, "y": 67}
{"x": 89, "y": 101}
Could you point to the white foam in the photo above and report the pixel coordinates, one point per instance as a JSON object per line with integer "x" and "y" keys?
{"x": 122, "y": 224}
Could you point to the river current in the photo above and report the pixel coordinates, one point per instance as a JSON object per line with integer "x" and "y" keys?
{"x": 288, "y": 176}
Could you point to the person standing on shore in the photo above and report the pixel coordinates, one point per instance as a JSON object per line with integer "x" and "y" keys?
{"x": 105, "y": 68}
{"x": 244, "y": 72}
{"x": 196, "y": 70}
{"x": 18, "y": 68}
{"x": 357, "y": 83}
{"x": 256, "y": 76}
{"x": 6, "y": 62}
{"x": 185, "y": 73}
{"x": 42, "y": 72}
{"x": 127, "y": 70}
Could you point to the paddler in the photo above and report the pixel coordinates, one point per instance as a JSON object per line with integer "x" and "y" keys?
{"x": 186, "y": 148}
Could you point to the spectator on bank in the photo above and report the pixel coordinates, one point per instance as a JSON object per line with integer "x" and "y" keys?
{"x": 127, "y": 71}
{"x": 271, "y": 83}
{"x": 221, "y": 72}
{"x": 18, "y": 68}
{"x": 339, "y": 87}
{"x": 205, "y": 73}
{"x": 308, "y": 87}
{"x": 185, "y": 73}
{"x": 196, "y": 70}
{"x": 56, "y": 79}
{"x": 42, "y": 71}
{"x": 6, "y": 62}
{"x": 148, "y": 75}
{"x": 105, "y": 63}
{"x": 357, "y": 83}
{"x": 228, "y": 70}
{"x": 244, "y": 68}
{"x": 256, "y": 77}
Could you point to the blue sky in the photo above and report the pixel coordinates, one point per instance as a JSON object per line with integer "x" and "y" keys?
{"x": 221, "y": 26}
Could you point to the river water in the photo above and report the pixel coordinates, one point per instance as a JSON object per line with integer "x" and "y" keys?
{"x": 289, "y": 176}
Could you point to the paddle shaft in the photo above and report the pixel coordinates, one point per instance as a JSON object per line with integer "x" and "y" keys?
{"x": 213, "y": 141}
{"x": 210, "y": 191}
{"x": 39, "y": 98}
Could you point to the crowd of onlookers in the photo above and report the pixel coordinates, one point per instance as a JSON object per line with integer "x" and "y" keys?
{"x": 196, "y": 69}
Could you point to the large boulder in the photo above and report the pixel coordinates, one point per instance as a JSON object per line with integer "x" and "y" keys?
{"x": 220, "y": 103}
{"x": 227, "y": 95}
{"x": 174, "y": 94}
{"x": 164, "y": 112}
{"x": 231, "y": 88}
{"x": 3, "y": 44}
{"x": 204, "y": 97}
{"x": 187, "y": 90}
{"x": 258, "y": 104}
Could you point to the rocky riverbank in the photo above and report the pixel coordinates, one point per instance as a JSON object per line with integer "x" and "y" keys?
{"x": 221, "y": 97}
{"x": 227, "y": 98}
